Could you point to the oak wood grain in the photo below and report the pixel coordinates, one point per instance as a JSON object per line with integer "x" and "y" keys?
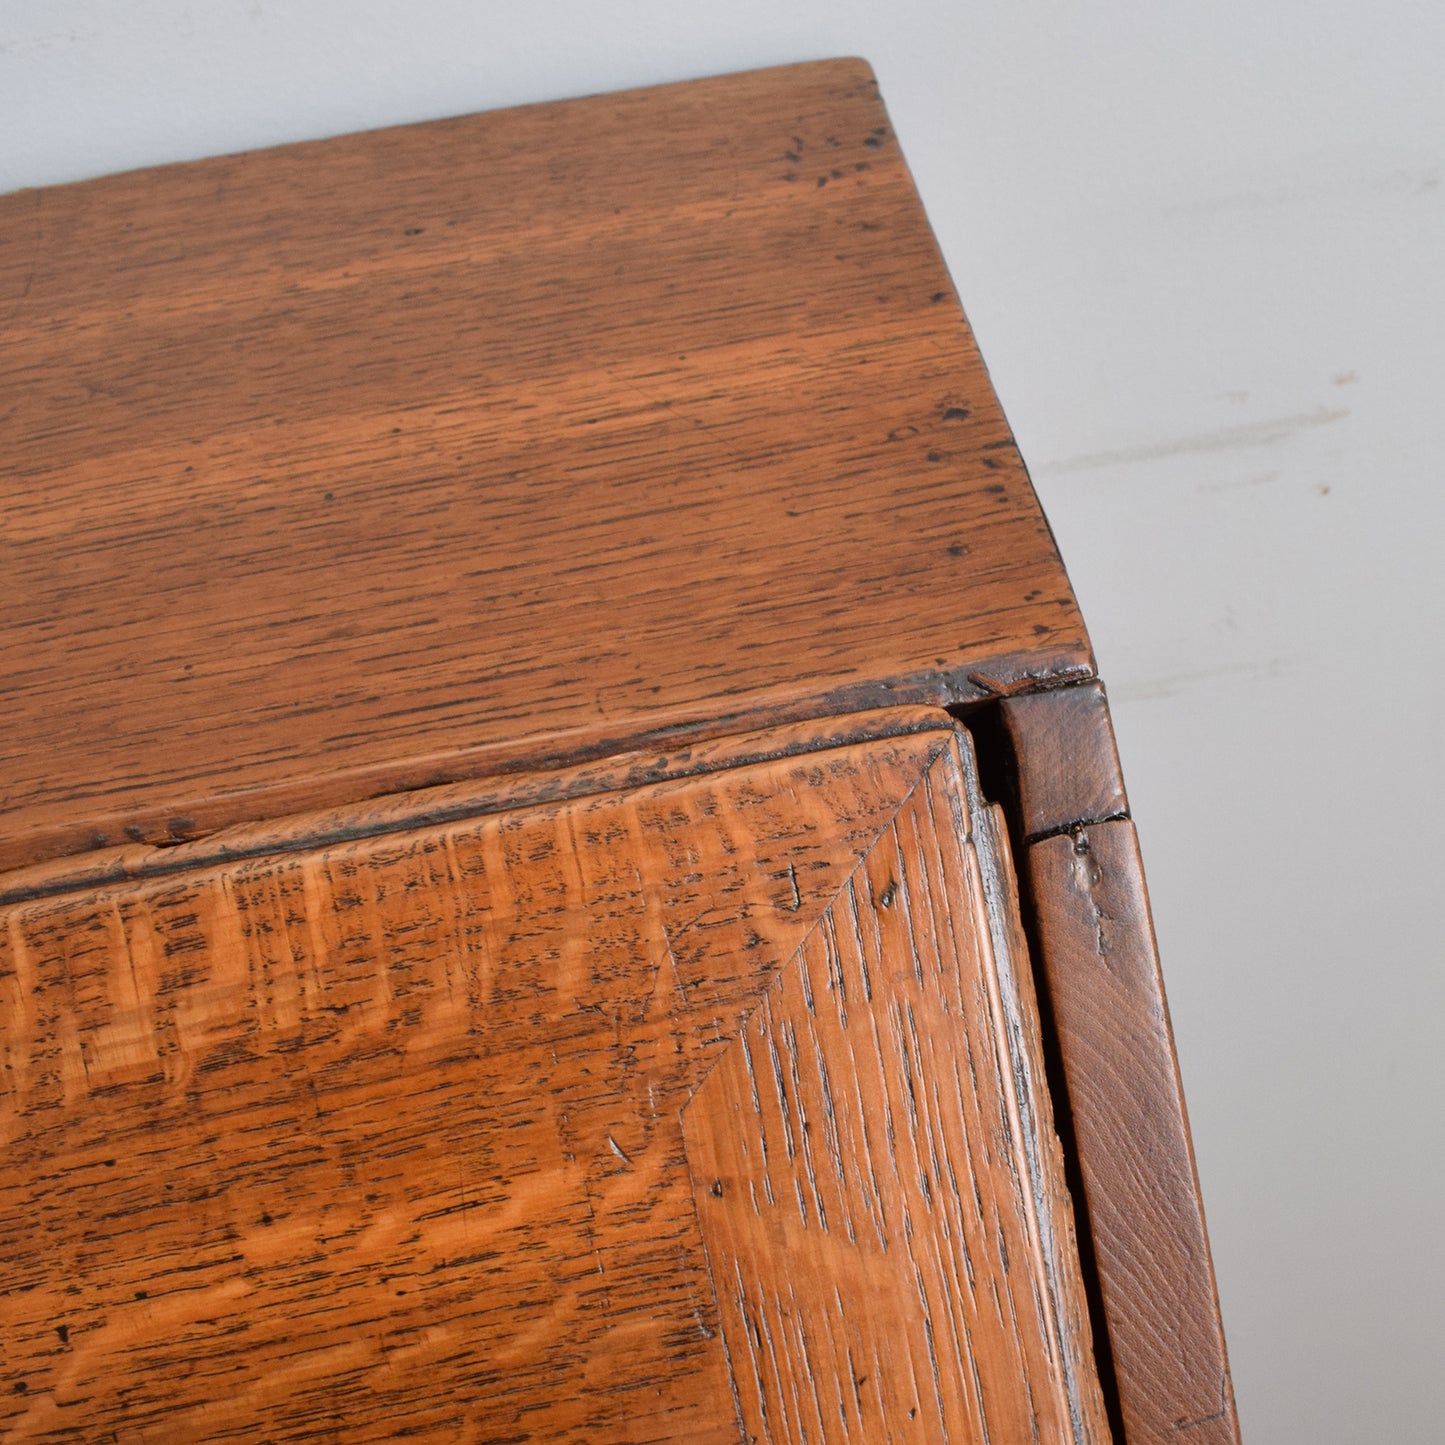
{"x": 401, "y": 1133}
{"x": 526, "y": 437}
{"x": 448, "y": 802}
{"x": 1162, "y": 1344}
{"x": 401, "y": 467}
{"x": 1067, "y": 764}
{"x": 869, "y": 1178}
{"x": 1131, "y": 1137}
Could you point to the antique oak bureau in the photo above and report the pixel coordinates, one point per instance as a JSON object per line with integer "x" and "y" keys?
{"x": 563, "y": 871}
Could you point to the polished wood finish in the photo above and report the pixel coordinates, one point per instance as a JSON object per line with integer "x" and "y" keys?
{"x": 366, "y": 464}
{"x": 710, "y": 1107}
{"x": 471, "y": 542}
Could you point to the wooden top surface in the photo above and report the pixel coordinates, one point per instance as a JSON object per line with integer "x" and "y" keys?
{"x": 370, "y": 463}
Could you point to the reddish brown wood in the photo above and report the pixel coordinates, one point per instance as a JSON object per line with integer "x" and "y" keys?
{"x": 1131, "y": 1136}
{"x": 478, "y": 469}
{"x": 433, "y": 1131}
{"x": 447, "y": 802}
{"x": 1110, "y": 1023}
{"x": 1067, "y": 763}
{"x": 371, "y": 463}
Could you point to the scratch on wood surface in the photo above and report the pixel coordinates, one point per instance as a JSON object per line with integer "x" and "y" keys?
{"x": 1181, "y": 1426}
{"x": 423, "y": 1057}
{"x": 387, "y": 1122}
{"x": 1086, "y": 879}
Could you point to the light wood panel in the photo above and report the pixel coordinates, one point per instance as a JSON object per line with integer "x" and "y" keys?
{"x": 376, "y": 462}
{"x": 410, "y": 1133}
{"x": 865, "y": 1160}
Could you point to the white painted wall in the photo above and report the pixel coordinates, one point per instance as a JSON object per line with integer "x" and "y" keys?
{"x": 1204, "y": 251}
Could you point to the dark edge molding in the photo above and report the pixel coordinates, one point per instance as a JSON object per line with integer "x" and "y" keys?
{"x": 1118, "y": 1100}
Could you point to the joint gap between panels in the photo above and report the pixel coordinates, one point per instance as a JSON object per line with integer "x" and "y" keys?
{"x": 1079, "y": 824}
{"x": 998, "y": 780}
{"x": 431, "y": 807}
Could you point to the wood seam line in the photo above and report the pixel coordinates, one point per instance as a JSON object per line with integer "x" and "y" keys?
{"x": 1066, "y": 773}
{"x": 1005, "y": 677}
{"x": 451, "y": 803}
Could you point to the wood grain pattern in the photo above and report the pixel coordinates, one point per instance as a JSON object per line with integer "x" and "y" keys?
{"x": 1126, "y": 1108}
{"x": 1067, "y": 764}
{"x": 1123, "y": 1109}
{"x": 449, "y": 802}
{"x": 580, "y": 438}
{"x": 865, "y": 1182}
{"x": 396, "y": 459}
{"x": 385, "y": 1137}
